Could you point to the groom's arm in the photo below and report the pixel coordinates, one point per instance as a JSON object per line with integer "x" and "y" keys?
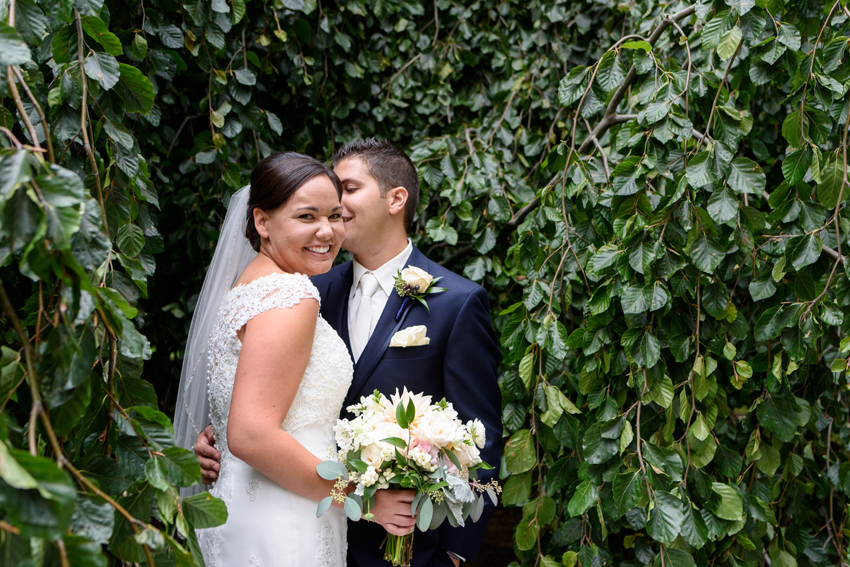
{"x": 470, "y": 383}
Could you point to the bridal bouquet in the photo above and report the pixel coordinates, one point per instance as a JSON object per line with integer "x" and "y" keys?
{"x": 405, "y": 441}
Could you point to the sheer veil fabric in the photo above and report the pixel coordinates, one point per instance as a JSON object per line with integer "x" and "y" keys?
{"x": 232, "y": 254}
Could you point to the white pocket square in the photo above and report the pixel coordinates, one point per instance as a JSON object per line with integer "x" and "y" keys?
{"x": 411, "y": 336}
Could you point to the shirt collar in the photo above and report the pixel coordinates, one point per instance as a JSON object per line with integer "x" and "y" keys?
{"x": 386, "y": 273}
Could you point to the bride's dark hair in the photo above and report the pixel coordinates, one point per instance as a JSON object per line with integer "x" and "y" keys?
{"x": 275, "y": 179}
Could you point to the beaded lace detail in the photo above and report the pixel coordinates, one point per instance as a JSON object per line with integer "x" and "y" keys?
{"x": 326, "y": 553}
{"x": 321, "y": 392}
{"x": 252, "y": 489}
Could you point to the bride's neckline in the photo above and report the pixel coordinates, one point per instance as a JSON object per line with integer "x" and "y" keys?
{"x": 273, "y": 274}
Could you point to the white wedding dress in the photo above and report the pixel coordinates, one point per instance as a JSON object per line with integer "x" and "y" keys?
{"x": 268, "y": 526}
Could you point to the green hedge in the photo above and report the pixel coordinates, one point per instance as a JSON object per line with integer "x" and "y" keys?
{"x": 651, "y": 193}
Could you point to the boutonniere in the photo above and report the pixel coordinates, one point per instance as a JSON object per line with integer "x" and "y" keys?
{"x": 416, "y": 283}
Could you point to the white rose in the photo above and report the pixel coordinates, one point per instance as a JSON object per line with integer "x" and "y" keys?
{"x": 436, "y": 429}
{"x": 467, "y": 455}
{"x": 372, "y": 455}
{"x": 448, "y": 411}
{"x": 414, "y": 276}
{"x": 478, "y": 432}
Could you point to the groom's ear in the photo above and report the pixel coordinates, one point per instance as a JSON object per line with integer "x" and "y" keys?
{"x": 396, "y": 200}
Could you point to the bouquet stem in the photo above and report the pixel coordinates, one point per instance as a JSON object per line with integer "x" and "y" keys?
{"x": 399, "y": 550}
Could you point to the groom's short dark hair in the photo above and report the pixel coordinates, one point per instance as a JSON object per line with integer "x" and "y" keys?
{"x": 390, "y": 167}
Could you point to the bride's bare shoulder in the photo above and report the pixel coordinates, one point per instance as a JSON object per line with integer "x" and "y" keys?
{"x": 259, "y": 267}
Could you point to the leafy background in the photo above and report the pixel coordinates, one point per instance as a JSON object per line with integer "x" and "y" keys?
{"x": 652, "y": 193}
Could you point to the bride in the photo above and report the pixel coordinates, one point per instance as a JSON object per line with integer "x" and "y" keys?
{"x": 276, "y": 372}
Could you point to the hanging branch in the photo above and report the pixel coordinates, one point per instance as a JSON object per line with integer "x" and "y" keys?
{"x": 38, "y": 409}
{"x": 16, "y": 96}
{"x": 838, "y": 257}
{"x": 13, "y": 89}
{"x": 84, "y": 119}
{"x": 717, "y": 96}
{"x": 40, "y": 111}
{"x": 609, "y": 118}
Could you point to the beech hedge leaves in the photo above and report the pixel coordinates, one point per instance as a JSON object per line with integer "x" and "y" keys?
{"x": 652, "y": 194}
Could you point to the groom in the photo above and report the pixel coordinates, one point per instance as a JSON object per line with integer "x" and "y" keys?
{"x": 380, "y": 197}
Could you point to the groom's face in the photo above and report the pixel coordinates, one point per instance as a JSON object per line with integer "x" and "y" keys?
{"x": 364, "y": 210}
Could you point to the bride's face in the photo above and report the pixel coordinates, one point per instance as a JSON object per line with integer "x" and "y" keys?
{"x": 304, "y": 234}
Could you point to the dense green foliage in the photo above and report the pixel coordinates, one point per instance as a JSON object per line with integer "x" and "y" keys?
{"x": 651, "y": 193}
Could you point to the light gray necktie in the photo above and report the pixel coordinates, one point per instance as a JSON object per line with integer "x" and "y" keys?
{"x": 362, "y": 327}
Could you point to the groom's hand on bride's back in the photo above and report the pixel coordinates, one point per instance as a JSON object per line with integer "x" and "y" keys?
{"x": 208, "y": 456}
{"x": 392, "y": 511}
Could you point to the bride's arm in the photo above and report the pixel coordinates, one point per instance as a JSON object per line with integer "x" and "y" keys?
{"x": 276, "y": 347}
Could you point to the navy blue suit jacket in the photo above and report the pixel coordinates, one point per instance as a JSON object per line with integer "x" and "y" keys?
{"x": 459, "y": 364}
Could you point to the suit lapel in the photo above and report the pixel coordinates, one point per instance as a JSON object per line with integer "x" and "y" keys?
{"x": 387, "y": 326}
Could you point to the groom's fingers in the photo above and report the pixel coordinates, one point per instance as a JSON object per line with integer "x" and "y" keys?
{"x": 208, "y": 456}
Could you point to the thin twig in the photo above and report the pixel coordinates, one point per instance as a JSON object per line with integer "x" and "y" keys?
{"x": 62, "y": 460}
{"x": 837, "y": 225}
{"x": 6, "y": 527}
{"x": 436, "y": 23}
{"x": 177, "y": 135}
{"x": 35, "y": 410}
{"x": 16, "y": 96}
{"x": 812, "y": 64}
{"x": 621, "y": 91}
{"x": 502, "y": 117}
{"x": 13, "y": 89}
{"x": 717, "y": 96}
{"x": 84, "y": 108}
{"x": 63, "y": 553}
{"x": 12, "y": 138}
{"x": 601, "y": 152}
{"x": 40, "y": 112}
{"x": 400, "y": 71}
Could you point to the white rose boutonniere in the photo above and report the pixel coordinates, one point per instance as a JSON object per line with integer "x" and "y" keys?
{"x": 416, "y": 283}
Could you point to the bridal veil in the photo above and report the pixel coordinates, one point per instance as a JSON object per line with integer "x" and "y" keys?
{"x": 232, "y": 254}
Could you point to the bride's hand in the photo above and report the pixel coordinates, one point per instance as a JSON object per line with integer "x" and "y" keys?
{"x": 392, "y": 511}
{"x": 208, "y": 456}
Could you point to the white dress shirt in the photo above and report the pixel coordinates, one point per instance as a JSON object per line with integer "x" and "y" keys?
{"x": 386, "y": 281}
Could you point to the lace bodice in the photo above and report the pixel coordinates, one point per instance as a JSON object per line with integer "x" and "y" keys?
{"x": 328, "y": 374}
{"x": 268, "y": 525}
